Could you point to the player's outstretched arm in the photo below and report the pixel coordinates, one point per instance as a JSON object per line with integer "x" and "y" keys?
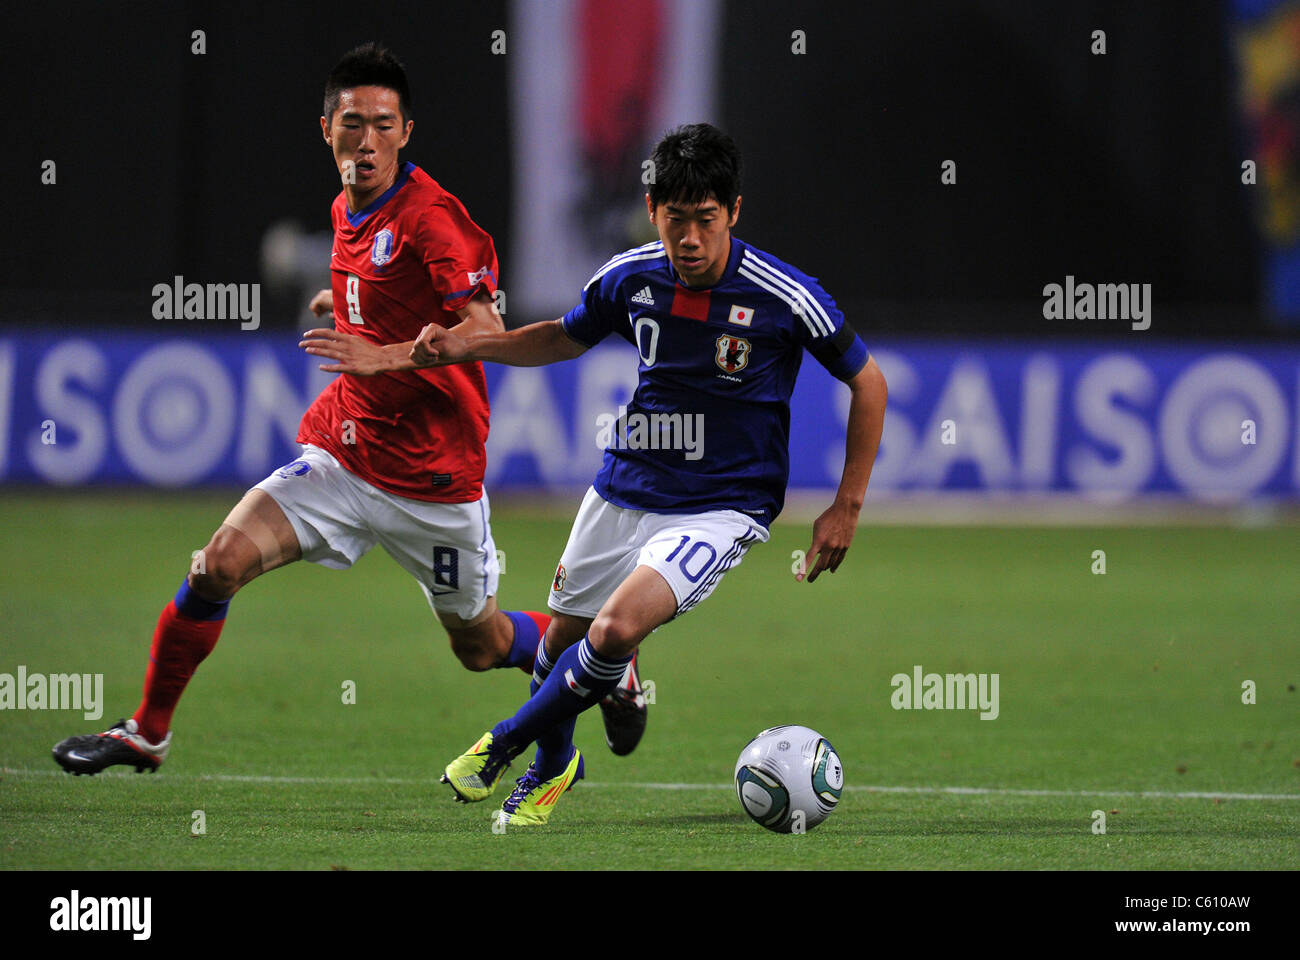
{"x": 531, "y": 346}
{"x": 833, "y": 530}
{"x": 356, "y": 355}
{"x": 363, "y": 358}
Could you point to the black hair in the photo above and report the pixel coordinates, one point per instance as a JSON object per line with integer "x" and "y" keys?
{"x": 367, "y": 65}
{"x": 695, "y": 162}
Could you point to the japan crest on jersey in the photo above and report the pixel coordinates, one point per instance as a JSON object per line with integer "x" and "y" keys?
{"x": 382, "y": 251}
{"x": 733, "y": 353}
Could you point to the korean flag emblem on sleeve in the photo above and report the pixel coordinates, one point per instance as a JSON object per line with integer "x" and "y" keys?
{"x": 741, "y": 315}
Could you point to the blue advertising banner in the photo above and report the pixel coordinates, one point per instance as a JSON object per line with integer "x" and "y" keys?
{"x": 1212, "y": 423}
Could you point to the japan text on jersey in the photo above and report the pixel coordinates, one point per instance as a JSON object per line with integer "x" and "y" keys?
{"x": 708, "y": 426}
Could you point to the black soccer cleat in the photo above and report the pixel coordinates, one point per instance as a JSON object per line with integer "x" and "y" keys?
{"x": 624, "y": 711}
{"x": 119, "y": 744}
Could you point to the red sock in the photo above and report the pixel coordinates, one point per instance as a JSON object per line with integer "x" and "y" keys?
{"x": 523, "y": 648}
{"x": 180, "y": 644}
{"x": 543, "y": 621}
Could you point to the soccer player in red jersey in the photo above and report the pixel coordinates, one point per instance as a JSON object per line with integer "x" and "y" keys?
{"x": 395, "y": 460}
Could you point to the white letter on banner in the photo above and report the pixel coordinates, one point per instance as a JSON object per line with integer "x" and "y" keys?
{"x": 968, "y": 399}
{"x": 1200, "y": 428}
{"x": 74, "y": 414}
{"x": 269, "y": 400}
{"x": 6, "y": 402}
{"x": 1040, "y": 398}
{"x": 1106, "y": 377}
{"x": 526, "y": 420}
{"x": 174, "y": 414}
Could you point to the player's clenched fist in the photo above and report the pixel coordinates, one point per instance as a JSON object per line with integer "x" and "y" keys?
{"x": 322, "y": 303}
{"x": 436, "y": 345}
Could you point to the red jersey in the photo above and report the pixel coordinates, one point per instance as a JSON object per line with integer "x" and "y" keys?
{"x": 411, "y": 257}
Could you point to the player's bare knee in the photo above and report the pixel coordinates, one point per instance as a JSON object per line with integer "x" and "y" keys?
{"x": 613, "y": 635}
{"x": 480, "y": 642}
{"x": 563, "y": 632}
{"x": 222, "y": 567}
{"x": 216, "y": 583}
{"x": 473, "y": 649}
{"x": 475, "y": 659}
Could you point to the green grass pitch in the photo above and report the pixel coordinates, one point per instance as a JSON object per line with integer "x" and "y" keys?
{"x": 1119, "y": 692}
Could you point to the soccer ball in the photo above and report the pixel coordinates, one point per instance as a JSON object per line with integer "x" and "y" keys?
{"x": 789, "y": 779}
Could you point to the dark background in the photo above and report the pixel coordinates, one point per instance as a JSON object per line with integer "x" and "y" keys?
{"x": 1122, "y": 168}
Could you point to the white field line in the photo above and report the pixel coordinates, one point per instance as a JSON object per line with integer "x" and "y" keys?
{"x": 601, "y": 785}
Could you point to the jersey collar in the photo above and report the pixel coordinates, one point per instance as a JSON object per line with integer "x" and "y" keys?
{"x": 358, "y": 218}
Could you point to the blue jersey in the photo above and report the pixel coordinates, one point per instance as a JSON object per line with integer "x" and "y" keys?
{"x": 708, "y": 427}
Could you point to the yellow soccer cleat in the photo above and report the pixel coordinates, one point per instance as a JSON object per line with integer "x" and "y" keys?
{"x": 475, "y": 774}
{"x": 531, "y": 801}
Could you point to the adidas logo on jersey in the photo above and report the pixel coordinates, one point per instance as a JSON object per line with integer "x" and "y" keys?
{"x": 644, "y": 297}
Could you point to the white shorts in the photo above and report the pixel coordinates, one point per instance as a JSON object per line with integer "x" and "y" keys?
{"x": 691, "y": 551}
{"x": 338, "y": 517}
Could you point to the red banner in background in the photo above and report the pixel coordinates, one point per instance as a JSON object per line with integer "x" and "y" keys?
{"x": 593, "y": 87}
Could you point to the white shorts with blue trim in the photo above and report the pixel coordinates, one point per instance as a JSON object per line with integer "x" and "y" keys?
{"x": 338, "y": 518}
{"x": 692, "y": 551}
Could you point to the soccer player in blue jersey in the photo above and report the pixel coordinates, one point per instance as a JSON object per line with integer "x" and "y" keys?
{"x": 696, "y": 469}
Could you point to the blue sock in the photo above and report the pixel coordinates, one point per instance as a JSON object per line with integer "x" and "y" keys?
{"x": 555, "y": 749}
{"x": 555, "y": 746}
{"x": 580, "y": 679}
{"x": 190, "y": 604}
{"x": 542, "y": 667}
{"x": 527, "y": 638}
